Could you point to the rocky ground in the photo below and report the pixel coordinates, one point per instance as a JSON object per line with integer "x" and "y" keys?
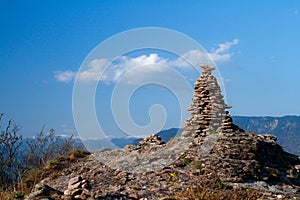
{"x": 212, "y": 159}
{"x": 229, "y": 166}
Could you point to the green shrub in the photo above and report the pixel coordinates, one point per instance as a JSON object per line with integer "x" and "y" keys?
{"x": 219, "y": 184}
{"x": 187, "y": 161}
{"x": 19, "y": 196}
{"x": 198, "y": 166}
{"x": 78, "y": 154}
{"x": 105, "y": 149}
{"x": 50, "y": 164}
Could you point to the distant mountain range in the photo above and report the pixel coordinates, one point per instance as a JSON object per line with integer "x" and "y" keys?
{"x": 286, "y": 129}
{"x": 111, "y": 143}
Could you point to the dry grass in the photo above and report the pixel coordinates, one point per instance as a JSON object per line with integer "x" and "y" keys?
{"x": 205, "y": 193}
{"x": 6, "y": 195}
{"x": 78, "y": 154}
{"x": 34, "y": 176}
{"x": 214, "y": 189}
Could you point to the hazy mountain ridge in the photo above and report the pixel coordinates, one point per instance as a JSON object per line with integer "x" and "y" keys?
{"x": 286, "y": 129}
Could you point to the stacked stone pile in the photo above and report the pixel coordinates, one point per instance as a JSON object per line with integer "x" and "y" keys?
{"x": 77, "y": 188}
{"x": 43, "y": 191}
{"x": 151, "y": 140}
{"x": 207, "y": 110}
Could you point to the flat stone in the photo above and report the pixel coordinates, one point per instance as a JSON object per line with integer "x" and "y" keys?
{"x": 67, "y": 193}
{"x": 76, "y": 192}
{"x": 74, "y": 186}
{"x": 74, "y": 180}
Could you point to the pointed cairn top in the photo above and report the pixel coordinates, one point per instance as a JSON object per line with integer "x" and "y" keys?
{"x": 208, "y": 109}
{"x": 207, "y": 68}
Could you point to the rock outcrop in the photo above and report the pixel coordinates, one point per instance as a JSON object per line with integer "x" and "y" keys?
{"x": 212, "y": 159}
{"x": 42, "y": 191}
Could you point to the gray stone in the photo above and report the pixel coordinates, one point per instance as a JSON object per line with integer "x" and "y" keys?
{"x": 74, "y": 180}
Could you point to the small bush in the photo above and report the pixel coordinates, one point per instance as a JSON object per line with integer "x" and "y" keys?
{"x": 19, "y": 196}
{"x": 78, "y": 154}
{"x": 28, "y": 183}
{"x": 219, "y": 184}
{"x": 50, "y": 164}
{"x": 187, "y": 161}
{"x": 105, "y": 149}
{"x": 198, "y": 166}
{"x": 23, "y": 161}
{"x": 61, "y": 158}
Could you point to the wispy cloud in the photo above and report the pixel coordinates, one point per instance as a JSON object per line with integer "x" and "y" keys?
{"x": 95, "y": 67}
{"x": 222, "y": 54}
{"x": 64, "y": 76}
{"x": 224, "y": 47}
{"x": 144, "y": 65}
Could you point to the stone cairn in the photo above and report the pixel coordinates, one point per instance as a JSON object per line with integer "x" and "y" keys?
{"x": 151, "y": 140}
{"x": 207, "y": 110}
{"x": 77, "y": 188}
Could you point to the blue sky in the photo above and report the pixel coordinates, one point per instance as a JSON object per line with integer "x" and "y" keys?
{"x": 40, "y": 40}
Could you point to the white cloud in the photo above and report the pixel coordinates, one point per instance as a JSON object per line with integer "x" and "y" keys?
{"x": 64, "y": 76}
{"x": 147, "y": 64}
{"x": 144, "y": 66}
{"x": 220, "y": 58}
{"x": 225, "y": 46}
{"x": 221, "y": 54}
{"x": 94, "y": 69}
{"x": 196, "y": 57}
